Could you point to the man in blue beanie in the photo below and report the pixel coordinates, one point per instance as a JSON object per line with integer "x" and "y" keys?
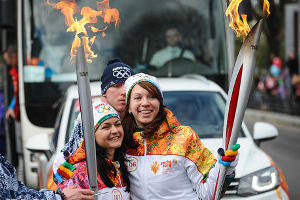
{"x": 113, "y": 93}
{"x": 112, "y": 84}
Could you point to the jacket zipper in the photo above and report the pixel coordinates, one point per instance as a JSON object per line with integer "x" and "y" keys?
{"x": 144, "y": 168}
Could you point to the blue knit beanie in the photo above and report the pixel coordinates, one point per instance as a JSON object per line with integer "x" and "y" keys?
{"x": 115, "y": 72}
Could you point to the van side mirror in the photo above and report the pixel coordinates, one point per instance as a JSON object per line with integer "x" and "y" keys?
{"x": 39, "y": 144}
{"x": 263, "y": 131}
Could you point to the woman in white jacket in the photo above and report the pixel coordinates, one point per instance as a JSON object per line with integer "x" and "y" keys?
{"x": 166, "y": 160}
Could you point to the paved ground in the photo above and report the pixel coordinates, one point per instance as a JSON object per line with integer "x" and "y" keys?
{"x": 272, "y": 117}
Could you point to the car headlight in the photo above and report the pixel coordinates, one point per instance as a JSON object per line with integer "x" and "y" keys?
{"x": 258, "y": 182}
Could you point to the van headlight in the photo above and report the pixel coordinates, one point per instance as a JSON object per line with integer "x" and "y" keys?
{"x": 258, "y": 182}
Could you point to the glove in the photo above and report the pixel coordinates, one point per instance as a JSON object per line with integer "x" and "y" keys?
{"x": 62, "y": 170}
{"x": 229, "y": 158}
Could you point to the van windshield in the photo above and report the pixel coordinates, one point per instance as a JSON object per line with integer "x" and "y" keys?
{"x": 143, "y": 31}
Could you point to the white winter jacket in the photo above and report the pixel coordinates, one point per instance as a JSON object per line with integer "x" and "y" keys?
{"x": 171, "y": 164}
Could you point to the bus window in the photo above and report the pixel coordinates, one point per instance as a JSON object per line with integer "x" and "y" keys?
{"x": 142, "y": 32}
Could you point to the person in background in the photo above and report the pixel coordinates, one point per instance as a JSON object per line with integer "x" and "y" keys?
{"x": 12, "y": 113}
{"x": 271, "y": 84}
{"x": 162, "y": 152}
{"x": 11, "y": 188}
{"x": 113, "y": 93}
{"x": 2, "y": 110}
{"x": 112, "y": 174}
{"x": 11, "y": 59}
{"x": 2, "y": 128}
{"x": 172, "y": 50}
{"x": 281, "y": 92}
{"x": 292, "y": 64}
{"x": 296, "y": 95}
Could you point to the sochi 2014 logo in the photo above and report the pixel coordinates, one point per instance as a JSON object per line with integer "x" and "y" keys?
{"x": 121, "y": 72}
{"x": 117, "y": 195}
{"x": 131, "y": 164}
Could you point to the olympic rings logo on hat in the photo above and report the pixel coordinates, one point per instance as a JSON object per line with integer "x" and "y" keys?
{"x": 104, "y": 109}
{"x": 121, "y": 72}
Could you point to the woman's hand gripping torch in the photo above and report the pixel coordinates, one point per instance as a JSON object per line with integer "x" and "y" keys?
{"x": 85, "y": 100}
{"x": 238, "y": 95}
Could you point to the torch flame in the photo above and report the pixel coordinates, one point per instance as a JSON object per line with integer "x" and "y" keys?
{"x": 266, "y": 7}
{"x": 89, "y": 16}
{"x": 239, "y": 23}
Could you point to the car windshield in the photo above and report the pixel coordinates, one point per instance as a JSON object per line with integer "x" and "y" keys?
{"x": 202, "y": 110}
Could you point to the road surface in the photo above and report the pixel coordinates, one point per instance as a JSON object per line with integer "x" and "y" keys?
{"x": 285, "y": 151}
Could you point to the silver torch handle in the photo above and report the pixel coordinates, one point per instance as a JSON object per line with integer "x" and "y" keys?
{"x": 85, "y": 101}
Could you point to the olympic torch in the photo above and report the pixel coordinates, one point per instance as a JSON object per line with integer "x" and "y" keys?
{"x": 85, "y": 101}
{"x": 238, "y": 95}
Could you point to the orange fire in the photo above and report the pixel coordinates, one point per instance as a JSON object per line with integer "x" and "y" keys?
{"x": 239, "y": 23}
{"x": 89, "y": 17}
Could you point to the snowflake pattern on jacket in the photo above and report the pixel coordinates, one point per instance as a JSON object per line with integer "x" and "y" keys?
{"x": 11, "y": 188}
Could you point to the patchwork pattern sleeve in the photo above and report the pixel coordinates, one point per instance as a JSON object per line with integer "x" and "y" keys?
{"x": 201, "y": 167}
{"x": 76, "y": 137}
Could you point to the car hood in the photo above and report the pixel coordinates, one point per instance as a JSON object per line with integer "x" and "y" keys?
{"x": 251, "y": 158}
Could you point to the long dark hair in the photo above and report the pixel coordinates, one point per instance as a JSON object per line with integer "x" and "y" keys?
{"x": 129, "y": 124}
{"x": 105, "y": 168}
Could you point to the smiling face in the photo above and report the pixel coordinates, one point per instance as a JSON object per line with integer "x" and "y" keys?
{"x": 109, "y": 134}
{"x": 115, "y": 96}
{"x": 143, "y": 105}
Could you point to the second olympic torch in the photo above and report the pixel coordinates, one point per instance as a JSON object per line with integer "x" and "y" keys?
{"x": 85, "y": 100}
{"x": 238, "y": 95}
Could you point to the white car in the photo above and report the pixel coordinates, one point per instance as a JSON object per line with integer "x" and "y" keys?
{"x": 199, "y": 103}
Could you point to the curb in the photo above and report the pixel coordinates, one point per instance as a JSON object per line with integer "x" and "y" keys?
{"x": 272, "y": 117}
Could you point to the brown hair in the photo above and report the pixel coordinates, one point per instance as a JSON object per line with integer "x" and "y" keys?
{"x": 129, "y": 123}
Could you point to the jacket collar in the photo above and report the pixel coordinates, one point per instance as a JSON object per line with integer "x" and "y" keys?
{"x": 169, "y": 125}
